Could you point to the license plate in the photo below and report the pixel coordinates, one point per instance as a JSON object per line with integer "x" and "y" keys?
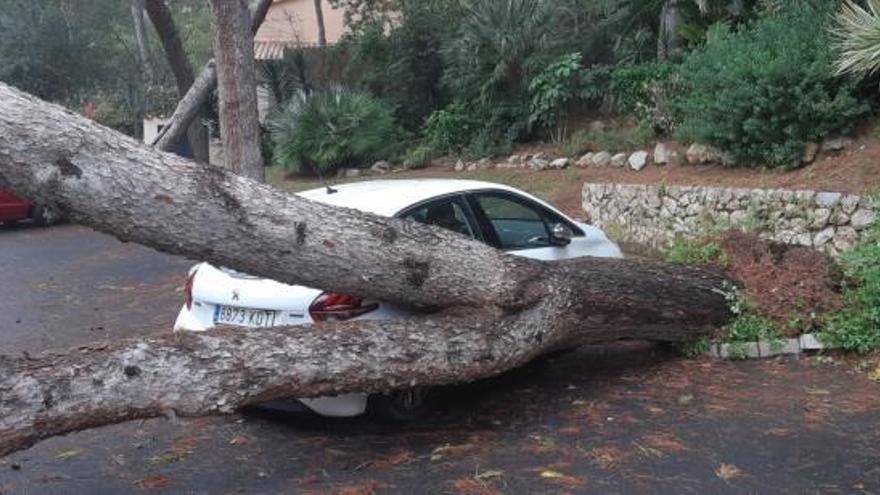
{"x": 244, "y": 317}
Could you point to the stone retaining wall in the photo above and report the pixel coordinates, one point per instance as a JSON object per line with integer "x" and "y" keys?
{"x": 653, "y": 215}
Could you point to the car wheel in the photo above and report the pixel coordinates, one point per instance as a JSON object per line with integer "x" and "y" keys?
{"x": 44, "y": 216}
{"x": 401, "y": 405}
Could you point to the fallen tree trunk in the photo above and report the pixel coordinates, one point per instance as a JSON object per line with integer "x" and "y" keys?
{"x": 202, "y": 373}
{"x": 100, "y": 178}
{"x": 501, "y": 310}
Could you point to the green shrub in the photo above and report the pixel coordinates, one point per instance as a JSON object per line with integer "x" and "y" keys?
{"x": 562, "y": 84}
{"x": 752, "y": 327}
{"x": 332, "y": 129}
{"x": 856, "y": 327}
{"x": 643, "y": 91}
{"x": 686, "y": 251}
{"x": 450, "y": 130}
{"x": 747, "y": 326}
{"x": 624, "y": 138}
{"x": 418, "y": 157}
{"x": 765, "y": 90}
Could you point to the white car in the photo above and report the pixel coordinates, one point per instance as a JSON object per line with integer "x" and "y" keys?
{"x": 501, "y": 216}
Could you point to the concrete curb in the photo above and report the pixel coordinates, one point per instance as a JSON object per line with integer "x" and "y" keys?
{"x": 766, "y": 349}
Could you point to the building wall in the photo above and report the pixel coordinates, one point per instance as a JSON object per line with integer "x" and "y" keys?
{"x": 294, "y": 21}
{"x": 152, "y": 125}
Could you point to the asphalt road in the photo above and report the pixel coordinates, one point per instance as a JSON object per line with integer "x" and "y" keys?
{"x": 629, "y": 418}
{"x": 66, "y": 285}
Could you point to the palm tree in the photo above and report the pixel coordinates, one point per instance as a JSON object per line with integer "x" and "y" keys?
{"x": 672, "y": 17}
{"x": 669, "y": 32}
{"x": 496, "y": 42}
{"x": 668, "y": 36}
{"x": 856, "y": 34}
{"x": 319, "y": 17}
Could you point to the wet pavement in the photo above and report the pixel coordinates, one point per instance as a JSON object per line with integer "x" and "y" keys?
{"x": 628, "y": 418}
{"x": 67, "y": 285}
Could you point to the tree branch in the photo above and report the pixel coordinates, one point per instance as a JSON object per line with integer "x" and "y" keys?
{"x": 188, "y": 107}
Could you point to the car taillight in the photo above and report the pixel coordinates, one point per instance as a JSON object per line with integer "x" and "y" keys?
{"x": 188, "y": 290}
{"x": 337, "y": 307}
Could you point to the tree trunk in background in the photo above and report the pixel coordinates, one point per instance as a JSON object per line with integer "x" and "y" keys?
{"x": 668, "y": 38}
{"x": 175, "y": 54}
{"x": 237, "y": 84}
{"x": 188, "y": 107}
{"x": 319, "y": 17}
{"x": 140, "y": 37}
{"x": 498, "y": 311}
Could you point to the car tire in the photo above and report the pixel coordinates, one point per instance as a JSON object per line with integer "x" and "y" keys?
{"x": 44, "y": 216}
{"x": 401, "y": 405}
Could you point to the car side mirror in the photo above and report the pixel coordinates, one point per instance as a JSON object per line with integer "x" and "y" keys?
{"x": 560, "y": 235}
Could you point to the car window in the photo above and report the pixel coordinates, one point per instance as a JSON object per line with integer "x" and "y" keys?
{"x": 517, "y": 224}
{"x": 448, "y": 213}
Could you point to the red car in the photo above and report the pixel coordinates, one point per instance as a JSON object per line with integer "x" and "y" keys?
{"x": 13, "y": 209}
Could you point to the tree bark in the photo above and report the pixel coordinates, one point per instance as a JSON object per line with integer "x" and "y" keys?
{"x": 668, "y": 38}
{"x": 175, "y": 54}
{"x": 198, "y": 94}
{"x": 500, "y": 310}
{"x": 237, "y": 84}
{"x": 319, "y": 18}
{"x": 188, "y": 108}
{"x": 140, "y": 36}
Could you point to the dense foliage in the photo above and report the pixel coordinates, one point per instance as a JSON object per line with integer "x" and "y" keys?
{"x": 555, "y": 91}
{"x": 84, "y": 55}
{"x": 763, "y": 91}
{"x": 857, "y": 326}
{"x": 476, "y": 76}
{"x": 404, "y": 65}
{"x": 323, "y": 131}
{"x": 499, "y": 47}
{"x": 753, "y": 77}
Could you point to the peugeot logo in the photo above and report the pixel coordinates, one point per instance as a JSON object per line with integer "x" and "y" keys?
{"x": 235, "y": 295}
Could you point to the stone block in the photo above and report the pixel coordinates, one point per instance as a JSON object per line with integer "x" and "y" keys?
{"x": 602, "y": 159}
{"x": 828, "y": 199}
{"x": 638, "y": 160}
{"x": 862, "y": 218}
{"x": 586, "y": 160}
{"x": 787, "y": 346}
{"x": 809, "y": 342}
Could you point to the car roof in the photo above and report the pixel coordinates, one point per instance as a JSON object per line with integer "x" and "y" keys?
{"x": 388, "y": 197}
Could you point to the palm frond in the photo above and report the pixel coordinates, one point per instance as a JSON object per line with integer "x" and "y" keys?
{"x": 856, "y": 36}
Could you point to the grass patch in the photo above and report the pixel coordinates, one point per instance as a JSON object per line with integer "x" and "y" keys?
{"x": 856, "y": 326}
{"x": 706, "y": 251}
{"x": 625, "y": 138}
